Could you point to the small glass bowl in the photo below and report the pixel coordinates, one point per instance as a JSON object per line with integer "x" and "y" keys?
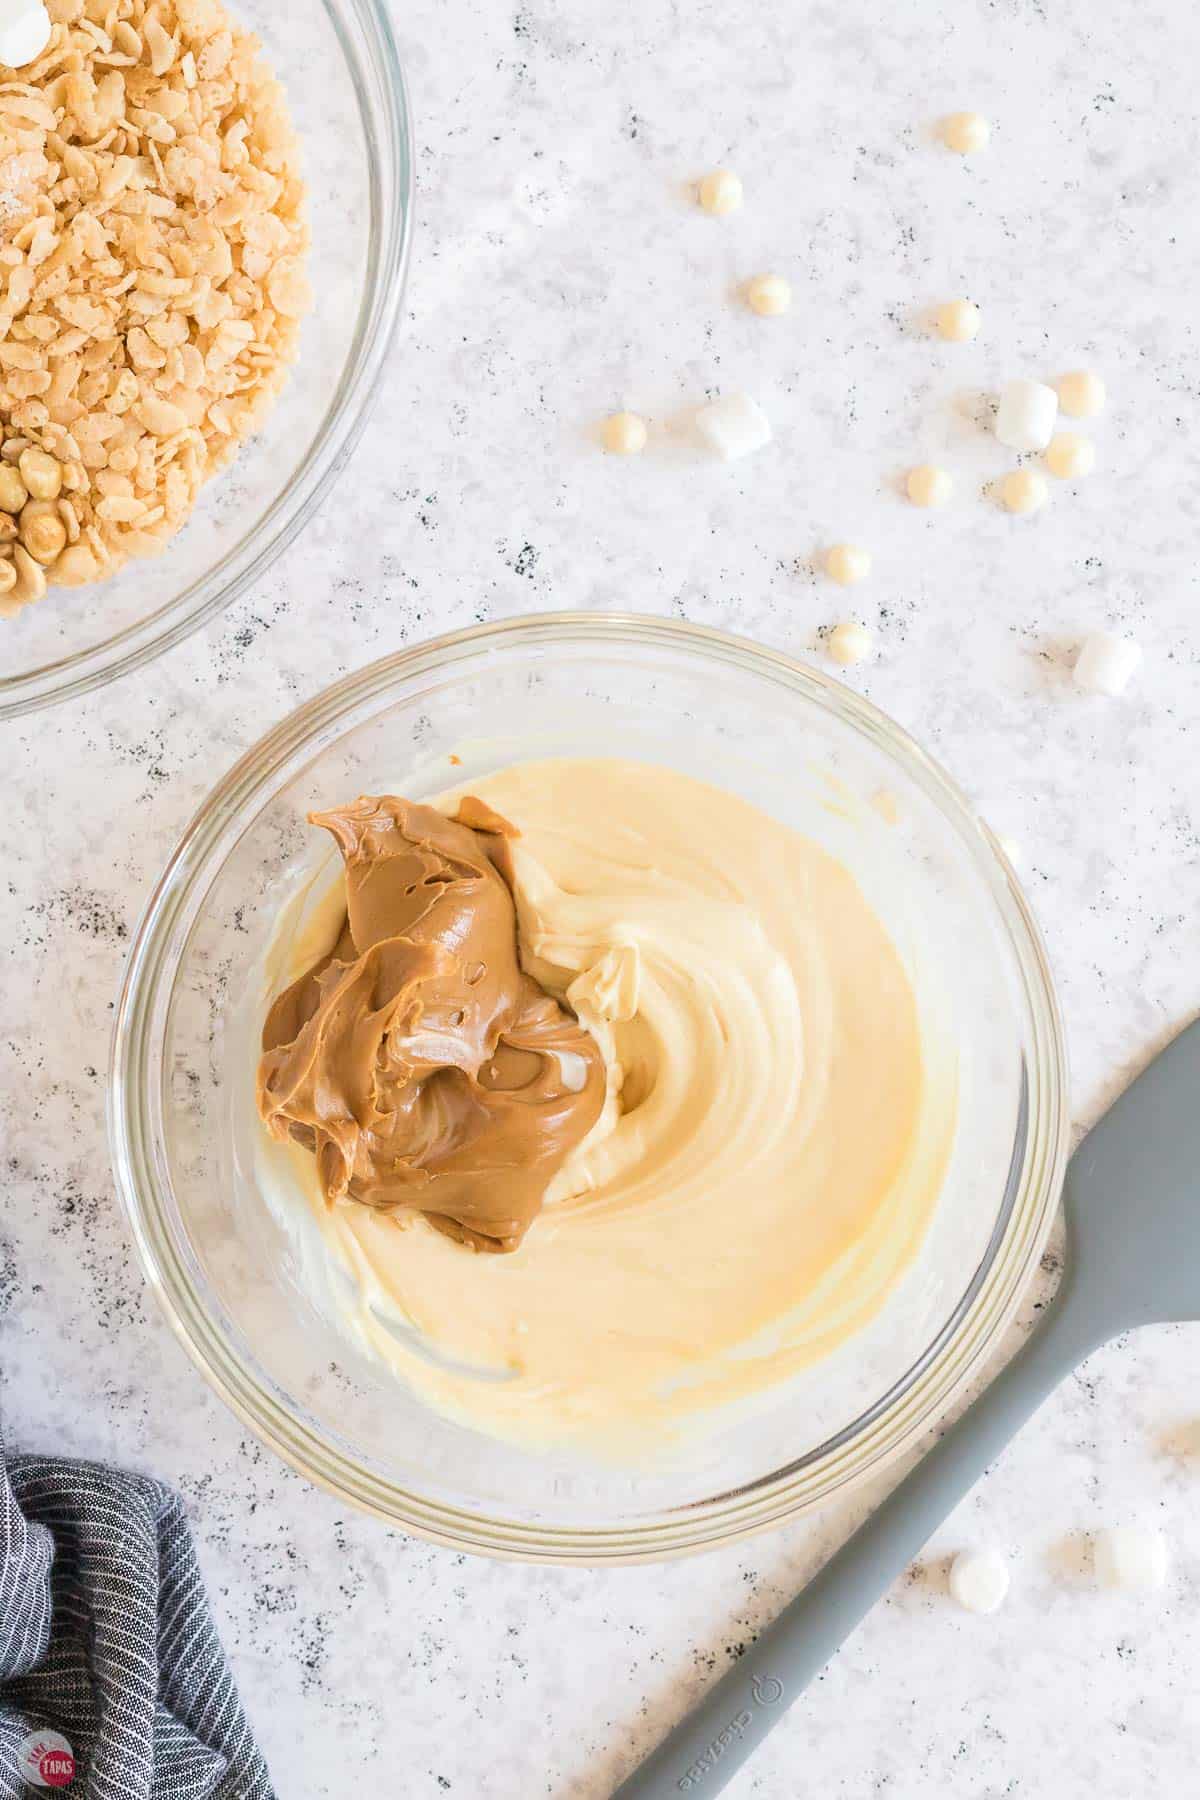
{"x": 786, "y": 737}
{"x": 337, "y": 60}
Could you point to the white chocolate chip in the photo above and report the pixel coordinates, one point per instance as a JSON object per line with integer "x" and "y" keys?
{"x": 1070, "y": 456}
{"x": 768, "y": 295}
{"x": 958, "y": 321}
{"x": 847, "y": 564}
{"x": 720, "y": 192}
{"x": 24, "y": 31}
{"x": 928, "y": 485}
{"x": 624, "y": 434}
{"x": 1024, "y": 491}
{"x": 1106, "y": 663}
{"x": 1025, "y": 420}
{"x": 966, "y": 132}
{"x": 733, "y": 426}
{"x": 1125, "y": 1556}
{"x": 850, "y": 643}
{"x": 1081, "y": 393}
{"x": 979, "y": 1580}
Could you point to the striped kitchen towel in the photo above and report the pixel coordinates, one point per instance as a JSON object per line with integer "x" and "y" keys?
{"x": 113, "y": 1682}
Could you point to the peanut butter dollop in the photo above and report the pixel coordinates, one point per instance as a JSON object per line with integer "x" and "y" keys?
{"x": 417, "y": 1061}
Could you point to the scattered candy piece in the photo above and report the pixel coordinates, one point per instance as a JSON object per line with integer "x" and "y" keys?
{"x": 1128, "y": 1557}
{"x": 1024, "y": 491}
{"x": 1025, "y": 420}
{"x": 850, "y": 643}
{"x": 848, "y": 564}
{"x": 733, "y": 426}
{"x": 958, "y": 321}
{"x": 768, "y": 295}
{"x": 1106, "y": 662}
{"x": 24, "y": 31}
{"x": 979, "y": 1580}
{"x": 966, "y": 132}
{"x": 1081, "y": 393}
{"x": 720, "y": 192}
{"x": 624, "y": 434}
{"x": 928, "y": 485}
{"x": 1070, "y": 456}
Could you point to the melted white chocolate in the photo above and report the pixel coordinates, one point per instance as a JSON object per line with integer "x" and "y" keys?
{"x": 769, "y": 1156}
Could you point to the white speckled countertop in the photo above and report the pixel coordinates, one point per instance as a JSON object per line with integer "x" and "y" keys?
{"x": 559, "y": 271}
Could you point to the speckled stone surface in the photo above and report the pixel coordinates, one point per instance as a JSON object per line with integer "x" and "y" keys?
{"x": 560, "y": 271}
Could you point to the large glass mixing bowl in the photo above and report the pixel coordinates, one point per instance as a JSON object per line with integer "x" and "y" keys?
{"x": 337, "y": 59}
{"x": 752, "y": 719}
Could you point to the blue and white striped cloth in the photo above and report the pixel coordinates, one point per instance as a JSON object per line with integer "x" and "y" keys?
{"x": 106, "y": 1637}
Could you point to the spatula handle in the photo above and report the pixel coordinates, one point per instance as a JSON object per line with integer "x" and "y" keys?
{"x": 712, "y": 1742}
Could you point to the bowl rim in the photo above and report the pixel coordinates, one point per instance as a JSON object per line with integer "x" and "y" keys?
{"x": 881, "y": 1435}
{"x": 387, "y": 126}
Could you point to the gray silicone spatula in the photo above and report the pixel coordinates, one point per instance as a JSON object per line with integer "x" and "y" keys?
{"x": 1132, "y": 1201}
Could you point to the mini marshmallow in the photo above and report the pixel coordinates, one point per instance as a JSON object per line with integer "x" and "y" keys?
{"x": 1026, "y": 417}
{"x": 1106, "y": 662}
{"x": 850, "y": 643}
{"x": 979, "y": 1580}
{"x": 733, "y": 426}
{"x": 1126, "y": 1557}
{"x": 24, "y": 31}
